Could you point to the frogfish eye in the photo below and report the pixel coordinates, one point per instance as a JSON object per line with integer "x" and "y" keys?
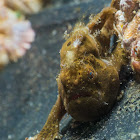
{"x": 91, "y": 74}
{"x": 69, "y": 43}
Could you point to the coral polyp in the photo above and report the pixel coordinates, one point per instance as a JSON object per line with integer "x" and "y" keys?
{"x": 25, "y": 6}
{"x": 16, "y": 35}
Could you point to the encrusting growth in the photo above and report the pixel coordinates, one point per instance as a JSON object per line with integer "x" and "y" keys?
{"x": 128, "y": 26}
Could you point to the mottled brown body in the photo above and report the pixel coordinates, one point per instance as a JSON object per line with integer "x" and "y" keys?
{"x": 88, "y": 82}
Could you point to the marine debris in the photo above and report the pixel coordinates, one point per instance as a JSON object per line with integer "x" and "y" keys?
{"x": 16, "y": 35}
{"x": 88, "y": 82}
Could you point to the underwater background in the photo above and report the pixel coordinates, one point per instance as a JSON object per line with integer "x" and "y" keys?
{"x": 28, "y": 88}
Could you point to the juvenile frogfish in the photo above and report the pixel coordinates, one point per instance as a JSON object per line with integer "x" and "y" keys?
{"x": 88, "y": 82}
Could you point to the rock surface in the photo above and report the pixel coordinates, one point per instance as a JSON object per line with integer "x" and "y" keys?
{"x": 28, "y": 88}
